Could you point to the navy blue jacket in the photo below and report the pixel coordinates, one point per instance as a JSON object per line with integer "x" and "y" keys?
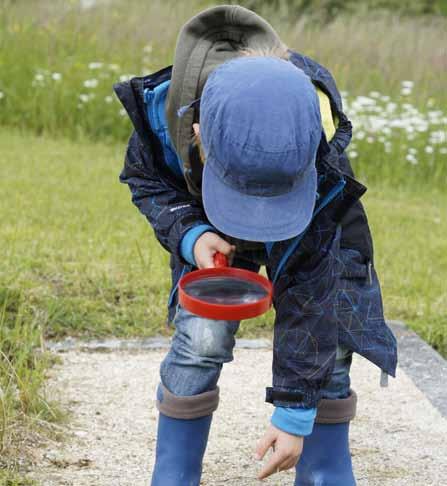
{"x": 326, "y": 290}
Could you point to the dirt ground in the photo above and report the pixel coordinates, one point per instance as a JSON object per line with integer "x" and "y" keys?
{"x": 398, "y": 437}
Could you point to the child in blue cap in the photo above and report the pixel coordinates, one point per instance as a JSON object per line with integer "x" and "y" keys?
{"x": 266, "y": 182}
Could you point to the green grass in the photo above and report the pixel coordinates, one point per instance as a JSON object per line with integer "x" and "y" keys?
{"x": 139, "y": 37}
{"x": 410, "y": 236}
{"x": 23, "y": 366}
{"x": 88, "y": 264}
{"x": 10, "y": 478}
{"x": 73, "y": 243}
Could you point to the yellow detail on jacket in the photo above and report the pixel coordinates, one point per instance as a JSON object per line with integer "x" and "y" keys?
{"x": 326, "y": 115}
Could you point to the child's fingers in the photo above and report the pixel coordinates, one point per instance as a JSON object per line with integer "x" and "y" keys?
{"x": 274, "y": 464}
{"x": 263, "y": 446}
{"x": 288, "y": 464}
{"x": 224, "y": 247}
{"x": 207, "y": 260}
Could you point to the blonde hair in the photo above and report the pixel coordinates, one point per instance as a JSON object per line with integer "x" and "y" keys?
{"x": 280, "y": 51}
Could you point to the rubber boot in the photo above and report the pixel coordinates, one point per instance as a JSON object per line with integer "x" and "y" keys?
{"x": 181, "y": 445}
{"x": 326, "y": 460}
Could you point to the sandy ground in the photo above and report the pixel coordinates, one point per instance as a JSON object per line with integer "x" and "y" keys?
{"x": 398, "y": 437}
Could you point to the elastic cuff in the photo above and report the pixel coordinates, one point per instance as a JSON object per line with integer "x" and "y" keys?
{"x": 288, "y": 397}
{"x": 337, "y": 411}
{"x": 186, "y": 407}
{"x": 189, "y": 240}
{"x": 295, "y": 421}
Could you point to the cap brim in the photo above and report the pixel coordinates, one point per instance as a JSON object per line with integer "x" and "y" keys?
{"x": 256, "y": 218}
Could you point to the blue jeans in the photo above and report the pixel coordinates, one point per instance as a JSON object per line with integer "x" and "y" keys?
{"x": 200, "y": 346}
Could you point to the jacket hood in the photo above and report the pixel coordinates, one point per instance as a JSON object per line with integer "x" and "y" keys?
{"x": 206, "y": 41}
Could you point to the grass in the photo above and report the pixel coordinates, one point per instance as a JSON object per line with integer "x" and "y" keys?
{"x": 10, "y": 478}
{"x": 23, "y": 365}
{"x": 88, "y": 265}
{"x": 44, "y": 75}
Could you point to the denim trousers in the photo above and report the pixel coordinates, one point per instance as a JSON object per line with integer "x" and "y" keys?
{"x": 201, "y": 346}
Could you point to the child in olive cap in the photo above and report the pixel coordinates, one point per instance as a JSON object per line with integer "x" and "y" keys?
{"x": 266, "y": 182}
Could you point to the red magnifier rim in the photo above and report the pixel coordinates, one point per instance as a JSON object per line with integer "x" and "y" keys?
{"x": 234, "y": 312}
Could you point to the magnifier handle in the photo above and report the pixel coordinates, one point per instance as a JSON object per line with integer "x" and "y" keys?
{"x": 220, "y": 260}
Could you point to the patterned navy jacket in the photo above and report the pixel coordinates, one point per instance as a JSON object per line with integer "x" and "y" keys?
{"x": 326, "y": 290}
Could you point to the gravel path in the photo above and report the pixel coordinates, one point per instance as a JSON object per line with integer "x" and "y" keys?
{"x": 398, "y": 437}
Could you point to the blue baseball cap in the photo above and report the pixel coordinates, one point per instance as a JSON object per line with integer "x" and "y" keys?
{"x": 260, "y": 127}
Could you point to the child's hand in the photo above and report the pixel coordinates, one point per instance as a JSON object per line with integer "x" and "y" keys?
{"x": 287, "y": 449}
{"x": 207, "y": 245}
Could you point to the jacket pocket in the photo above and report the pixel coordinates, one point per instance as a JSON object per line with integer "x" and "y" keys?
{"x": 355, "y": 292}
{"x": 354, "y": 265}
{"x": 316, "y": 280}
{"x": 359, "y": 311}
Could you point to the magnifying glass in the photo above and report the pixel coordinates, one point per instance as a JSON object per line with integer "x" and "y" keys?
{"x": 225, "y": 293}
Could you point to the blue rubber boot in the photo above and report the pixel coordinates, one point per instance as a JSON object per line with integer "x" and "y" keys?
{"x": 326, "y": 460}
{"x": 181, "y": 445}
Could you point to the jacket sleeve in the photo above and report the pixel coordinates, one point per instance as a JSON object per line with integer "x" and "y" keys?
{"x": 170, "y": 208}
{"x": 306, "y": 331}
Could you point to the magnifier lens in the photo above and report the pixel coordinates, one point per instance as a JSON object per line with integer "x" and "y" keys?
{"x": 225, "y": 290}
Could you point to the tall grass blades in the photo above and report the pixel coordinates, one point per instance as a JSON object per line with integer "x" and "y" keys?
{"x": 59, "y": 61}
{"x": 22, "y": 372}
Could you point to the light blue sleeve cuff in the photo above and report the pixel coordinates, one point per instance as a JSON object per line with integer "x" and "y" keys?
{"x": 295, "y": 421}
{"x": 189, "y": 240}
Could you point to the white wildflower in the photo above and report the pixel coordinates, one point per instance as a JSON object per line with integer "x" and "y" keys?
{"x": 2, "y": 95}
{"x": 56, "y": 76}
{"x": 407, "y": 84}
{"x": 428, "y": 149}
{"x": 113, "y": 67}
{"x": 412, "y": 159}
{"x": 443, "y": 150}
{"x": 147, "y": 48}
{"x": 126, "y": 77}
{"x": 365, "y": 101}
{"x": 90, "y": 83}
{"x": 391, "y": 107}
{"x": 122, "y": 112}
{"x": 438, "y": 137}
{"x": 374, "y": 94}
{"x": 95, "y": 65}
{"x": 85, "y": 98}
{"x": 108, "y": 99}
{"x": 405, "y": 91}
{"x": 39, "y": 80}
{"x": 370, "y": 139}
{"x": 353, "y": 154}
{"x": 87, "y": 4}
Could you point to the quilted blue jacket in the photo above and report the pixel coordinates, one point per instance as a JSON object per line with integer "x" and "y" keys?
{"x": 326, "y": 291}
